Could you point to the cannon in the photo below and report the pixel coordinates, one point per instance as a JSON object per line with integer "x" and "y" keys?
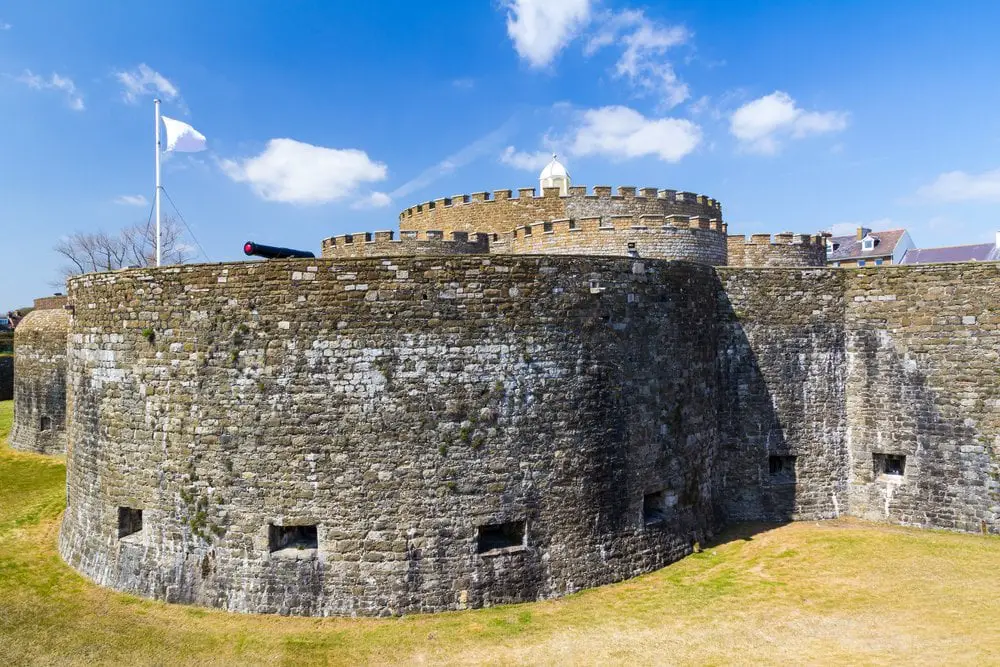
{"x": 273, "y": 252}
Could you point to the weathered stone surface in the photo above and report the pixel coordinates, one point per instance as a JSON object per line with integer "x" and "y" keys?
{"x": 453, "y": 419}
{"x": 923, "y": 381}
{"x": 398, "y": 405}
{"x": 782, "y": 362}
{"x": 411, "y": 243}
{"x": 500, "y": 212}
{"x": 40, "y": 379}
{"x": 785, "y": 249}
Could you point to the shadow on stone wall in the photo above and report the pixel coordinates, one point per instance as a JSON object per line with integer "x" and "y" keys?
{"x": 949, "y": 465}
{"x": 781, "y": 409}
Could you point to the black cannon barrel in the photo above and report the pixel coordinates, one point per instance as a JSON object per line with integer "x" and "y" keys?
{"x": 273, "y": 252}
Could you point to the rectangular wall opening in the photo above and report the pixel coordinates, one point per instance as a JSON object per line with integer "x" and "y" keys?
{"x": 891, "y": 465}
{"x": 654, "y": 507}
{"x": 294, "y": 538}
{"x": 129, "y": 521}
{"x": 781, "y": 468}
{"x": 45, "y": 423}
{"x": 500, "y": 536}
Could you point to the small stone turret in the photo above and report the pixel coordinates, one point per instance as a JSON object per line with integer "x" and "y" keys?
{"x": 40, "y": 378}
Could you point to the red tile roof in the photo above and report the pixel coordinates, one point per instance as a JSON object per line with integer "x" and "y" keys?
{"x": 849, "y": 247}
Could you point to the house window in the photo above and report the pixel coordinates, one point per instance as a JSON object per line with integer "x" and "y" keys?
{"x": 45, "y": 423}
{"x": 129, "y": 521}
{"x": 493, "y": 537}
{"x": 861, "y": 262}
{"x": 836, "y": 263}
{"x": 297, "y": 538}
{"x": 889, "y": 465}
{"x": 868, "y": 244}
{"x": 781, "y": 468}
{"x": 878, "y": 262}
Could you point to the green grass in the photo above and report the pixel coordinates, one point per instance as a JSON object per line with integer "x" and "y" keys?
{"x": 834, "y": 592}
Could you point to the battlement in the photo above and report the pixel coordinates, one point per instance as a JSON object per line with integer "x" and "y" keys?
{"x": 598, "y": 192}
{"x": 782, "y": 250}
{"x": 412, "y": 242}
{"x": 50, "y": 302}
{"x": 672, "y": 237}
{"x": 616, "y": 223}
{"x": 501, "y": 211}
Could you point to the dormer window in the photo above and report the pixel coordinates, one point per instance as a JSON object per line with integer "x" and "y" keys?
{"x": 868, "y": 243}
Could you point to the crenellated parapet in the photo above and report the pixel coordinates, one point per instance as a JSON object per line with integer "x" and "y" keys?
{"x": 501, "y": 211}
{"x": 413, "y": 242}
{"x": 783, "y": 250}
{"x": 672, "y": 237}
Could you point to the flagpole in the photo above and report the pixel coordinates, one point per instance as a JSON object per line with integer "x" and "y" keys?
{"x": 156, "y": 105}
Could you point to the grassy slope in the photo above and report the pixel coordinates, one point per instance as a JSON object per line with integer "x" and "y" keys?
{"x": 803, "y": 593}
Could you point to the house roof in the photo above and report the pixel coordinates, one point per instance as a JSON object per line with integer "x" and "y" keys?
{"x": 849, "y": 247}
{"x": 979, "y": 252}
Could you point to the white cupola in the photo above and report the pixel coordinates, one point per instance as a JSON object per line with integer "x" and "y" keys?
{"x": 554, "y": 176}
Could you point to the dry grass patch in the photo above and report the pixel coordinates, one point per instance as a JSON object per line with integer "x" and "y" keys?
{"x": 831, "y": 592}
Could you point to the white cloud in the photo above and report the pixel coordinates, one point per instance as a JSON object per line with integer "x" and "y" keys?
{"x": 300, "y": 173}
{"x": 464, "y": 83}
{"x": 620, "y": 133}
{"x": 955, "y": 186}
{"x": 540, "y": 29}
{"x": 54, "y": 82}
{"x": 132, "y": 200}
{"x": 527, "y": 161}
{"x": 643, "y": 61}
{"x": 143, "y": 80}
{"x": 761, "y": 125}
{"x": 373, "y": 200}
{"x": 5, "y": 26}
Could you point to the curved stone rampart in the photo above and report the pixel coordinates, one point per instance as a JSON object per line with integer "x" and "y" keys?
{"x": 373, "y": 437}
{"x": 501, "y": 212}
{"x": 786, "y": 250}
{"x": 412, "y": 243}
{"x": 40, "y": 379}
{"x": 674, "y": 237}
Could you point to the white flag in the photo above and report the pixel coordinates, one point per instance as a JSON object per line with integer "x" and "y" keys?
{"x": 181, "y": 137}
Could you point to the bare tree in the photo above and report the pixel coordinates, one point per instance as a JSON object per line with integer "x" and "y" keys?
{"x": 87, "y": 252}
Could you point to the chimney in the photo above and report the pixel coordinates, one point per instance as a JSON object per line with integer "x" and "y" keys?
{"x": 863, "y": 232}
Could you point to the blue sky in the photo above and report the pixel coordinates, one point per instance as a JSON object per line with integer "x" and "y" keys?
{"x": 325, "y": 118}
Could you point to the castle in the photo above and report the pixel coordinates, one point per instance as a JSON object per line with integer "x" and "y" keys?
{"x": 515, "y": 399}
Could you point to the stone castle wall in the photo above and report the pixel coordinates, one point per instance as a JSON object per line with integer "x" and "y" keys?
{"x": 411, "y": 243}
{"x": 607, "y": 411}
{"x": 841, "y": 368}
{"x": 40, "y": 379}
{"x": 786, "y": 250}
{"x": 923, "y": 381}
{"x": 783, "y": 362}
{"x": 500, "y": 212}
{"x": 652, "y": 236}
{"x": 403, "y": 409}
